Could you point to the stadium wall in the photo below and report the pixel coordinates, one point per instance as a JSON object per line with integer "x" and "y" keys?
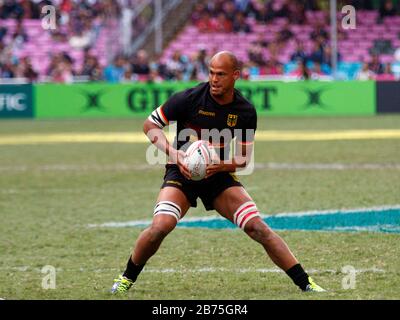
{"x": 101, "y": 100}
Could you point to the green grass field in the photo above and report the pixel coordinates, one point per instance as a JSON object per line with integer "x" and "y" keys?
{"x": 50, "y": 193}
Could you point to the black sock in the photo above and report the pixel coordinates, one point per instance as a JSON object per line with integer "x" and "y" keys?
{"x": 132, "y": 270}
{"x": 299, "y": 276}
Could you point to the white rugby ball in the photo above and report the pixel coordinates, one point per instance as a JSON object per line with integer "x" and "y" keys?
{"x": 198, "y": 157}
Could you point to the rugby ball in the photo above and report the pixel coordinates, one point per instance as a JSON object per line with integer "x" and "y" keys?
{"x": 198, "y": 157}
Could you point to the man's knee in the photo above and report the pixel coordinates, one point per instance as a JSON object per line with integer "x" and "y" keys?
{"x": 157, "y": 233}
{"x": 259, "y": 230}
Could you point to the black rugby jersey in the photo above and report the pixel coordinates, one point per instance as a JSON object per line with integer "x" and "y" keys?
{"x": 199, "y": 116}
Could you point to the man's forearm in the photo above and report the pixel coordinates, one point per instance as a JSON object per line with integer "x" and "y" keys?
{"x": 158, "y": 138}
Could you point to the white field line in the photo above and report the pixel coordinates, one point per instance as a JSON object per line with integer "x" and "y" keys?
{"x": 326, "y": 166}
{"x": 80, "y": 168}
{"x": 333, "y": 211}
{"x": 369, "y": 228}
{"x": 134, "y": 223}
{"x": 194, "y": 270}
{"x": 70, "y": 191}
{"x": 122, "y": 167}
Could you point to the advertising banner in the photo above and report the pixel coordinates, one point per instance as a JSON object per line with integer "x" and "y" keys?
{"x": 311, "y": 98}
{"x": 139, "y": 99}
{"x": 97, "y": 100}
{"x": 16, "y": 101}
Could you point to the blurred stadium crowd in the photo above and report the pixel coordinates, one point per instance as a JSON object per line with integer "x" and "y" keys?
{"x": 272, "y": 46}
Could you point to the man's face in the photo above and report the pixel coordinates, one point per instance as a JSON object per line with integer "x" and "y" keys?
{"x": 222, "y": 77}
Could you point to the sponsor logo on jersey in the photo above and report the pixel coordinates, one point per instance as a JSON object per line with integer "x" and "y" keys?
{"x": 207, "y": 113}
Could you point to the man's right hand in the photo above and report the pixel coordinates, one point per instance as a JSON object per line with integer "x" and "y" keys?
{"x": 178, "y": 158}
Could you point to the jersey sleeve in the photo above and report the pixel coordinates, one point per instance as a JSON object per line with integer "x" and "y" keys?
{"x": 248, "y": 129}
{"x": 172, "y": 110}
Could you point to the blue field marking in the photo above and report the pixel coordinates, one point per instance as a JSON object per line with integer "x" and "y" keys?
{"x": 377, "y": 220}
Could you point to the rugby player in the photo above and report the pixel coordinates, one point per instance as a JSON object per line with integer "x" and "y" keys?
{"x": 215, "y": 104}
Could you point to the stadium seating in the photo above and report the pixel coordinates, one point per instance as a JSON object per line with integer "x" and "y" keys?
{"x": 355, "y": 45}
{"x": 41, "y": 46}
{"x": 355, "y": 48}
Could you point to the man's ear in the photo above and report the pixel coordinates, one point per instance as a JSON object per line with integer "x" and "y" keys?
{"x": 236, "y": 75}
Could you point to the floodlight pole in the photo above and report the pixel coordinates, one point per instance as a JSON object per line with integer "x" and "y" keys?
{"x": 334, "y": 51}
{"x": 158, "y": 27}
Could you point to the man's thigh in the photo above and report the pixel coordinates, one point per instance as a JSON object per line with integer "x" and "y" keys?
{"x": 236, "y": 205}
{"x": 227, "y": 202}
{"x": 172, "y": 196}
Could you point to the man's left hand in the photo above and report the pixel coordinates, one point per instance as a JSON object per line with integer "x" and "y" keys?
{"x": 218, "y": 167}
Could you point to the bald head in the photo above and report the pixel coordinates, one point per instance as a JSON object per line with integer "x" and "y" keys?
{"x": 225, "y": 58}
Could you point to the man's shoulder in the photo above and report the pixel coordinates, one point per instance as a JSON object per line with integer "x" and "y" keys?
{"x": 243, "y": 103}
